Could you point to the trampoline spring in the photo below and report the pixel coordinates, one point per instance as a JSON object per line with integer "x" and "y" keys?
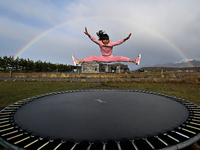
{"x": 188, "y": 131}
{"x": 6, "y": 110}
{"x": 76, "y": 143}
{"x": 161, "y": 140}
{"x": 6, "y": 113}
{"x": 19, "y": 102}
{"x": 15, "y": 136}
{"x": 14, "y": 107}
{"x": 195, "y": 123}
{"x": 5, "y": 116}
{"x": 104, "y": 145}
{"x": 40, "y": 138}
{"x": 10, "y": 107}
{"x": 62, "y": 141}
{"x": 10, "y": 133}
{"x": 173, "y": 138}
{"x": 5, "y": 125}
{"x": 133, "y": 143}
{"x": 195, "y": 120}
{"x": 57, "y": 146}
{"x": 17, "y": 105}
{"x": 6, "y": 129}
{"x": 43, "y": 145}
{"x": 4, "y": 122}
{"x": 149, "y": 143}
{"x": 191, "y": 109}
{"x": 90, "y": 144}
{"x": 196, "y": 112}
{"x": 192, "y": 127}
{"x": 22, "y": 140}
{"x": 182, "y": 134}
{"x": 118, "y": 145}
{"x": 4, "y": 119}
{"x": 31, "y": 143}
{"x": 189, "y": 104}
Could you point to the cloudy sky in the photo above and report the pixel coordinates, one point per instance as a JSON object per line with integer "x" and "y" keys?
{"x": 52, "y": 30}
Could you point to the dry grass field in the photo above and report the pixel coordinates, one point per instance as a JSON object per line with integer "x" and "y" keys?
{"x": 184, "y": 85}
{"x": 190, "y": 77}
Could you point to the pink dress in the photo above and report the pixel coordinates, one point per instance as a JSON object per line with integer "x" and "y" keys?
{"x": 106, "y": 51}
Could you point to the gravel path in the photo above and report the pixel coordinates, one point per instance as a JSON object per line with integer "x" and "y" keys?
{"x": 69, "y": 79}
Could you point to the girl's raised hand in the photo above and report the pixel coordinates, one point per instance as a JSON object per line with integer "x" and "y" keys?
{"x": 127, "y": 37}
{"x": 86, "y": 32}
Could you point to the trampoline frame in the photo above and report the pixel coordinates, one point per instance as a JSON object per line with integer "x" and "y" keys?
{"x": 189, "y": 130}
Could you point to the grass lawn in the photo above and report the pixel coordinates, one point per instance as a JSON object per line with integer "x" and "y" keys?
{"x": 11, "y": 91}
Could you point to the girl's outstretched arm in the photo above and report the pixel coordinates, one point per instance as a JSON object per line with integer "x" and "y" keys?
{"x": 127, "y": 37}
{"x": 122, "y": 40}
{"x": 91, "y": 37}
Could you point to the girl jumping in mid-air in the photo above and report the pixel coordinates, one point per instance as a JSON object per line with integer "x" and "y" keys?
{"x": 106, "y": 47}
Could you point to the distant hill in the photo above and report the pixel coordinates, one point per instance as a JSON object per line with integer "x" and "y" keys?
{"x": 181, "y": 64}
{"x": 176, "y": 66}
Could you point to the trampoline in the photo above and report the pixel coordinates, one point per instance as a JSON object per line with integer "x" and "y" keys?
{"x": 100, "y": 119}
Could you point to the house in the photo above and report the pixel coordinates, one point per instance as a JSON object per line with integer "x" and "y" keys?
{"x": 98, "y": 67}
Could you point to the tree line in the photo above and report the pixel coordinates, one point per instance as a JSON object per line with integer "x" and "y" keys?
{"x": 27, "y": 65}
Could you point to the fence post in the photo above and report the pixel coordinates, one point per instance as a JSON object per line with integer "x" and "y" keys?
{"x": 78, "y": 69}
{"x": 162, "y": 72}
{"x": 11, "y": 73}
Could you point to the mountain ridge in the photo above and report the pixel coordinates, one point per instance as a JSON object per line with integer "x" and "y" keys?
{"x": 181, "y": 64}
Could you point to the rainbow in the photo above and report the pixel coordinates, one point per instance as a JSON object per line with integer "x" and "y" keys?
{"x": 41, "y": 35}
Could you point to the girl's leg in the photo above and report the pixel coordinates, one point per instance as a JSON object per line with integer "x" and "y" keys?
{"x": 107, "y": 59}
{"x": 94, "y": 58}
{"x": 119, "y": 59}
{"x": 91, "y": 58}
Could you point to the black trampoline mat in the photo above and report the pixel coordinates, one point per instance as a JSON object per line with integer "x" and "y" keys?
{"x": 100, "y": 115}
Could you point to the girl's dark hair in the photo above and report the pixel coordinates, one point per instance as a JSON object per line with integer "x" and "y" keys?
{"x": 102, "y": 35}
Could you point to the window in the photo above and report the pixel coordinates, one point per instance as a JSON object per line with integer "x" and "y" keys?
{"x": 83, "y": 67}
{"x": 95, "y": 68}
